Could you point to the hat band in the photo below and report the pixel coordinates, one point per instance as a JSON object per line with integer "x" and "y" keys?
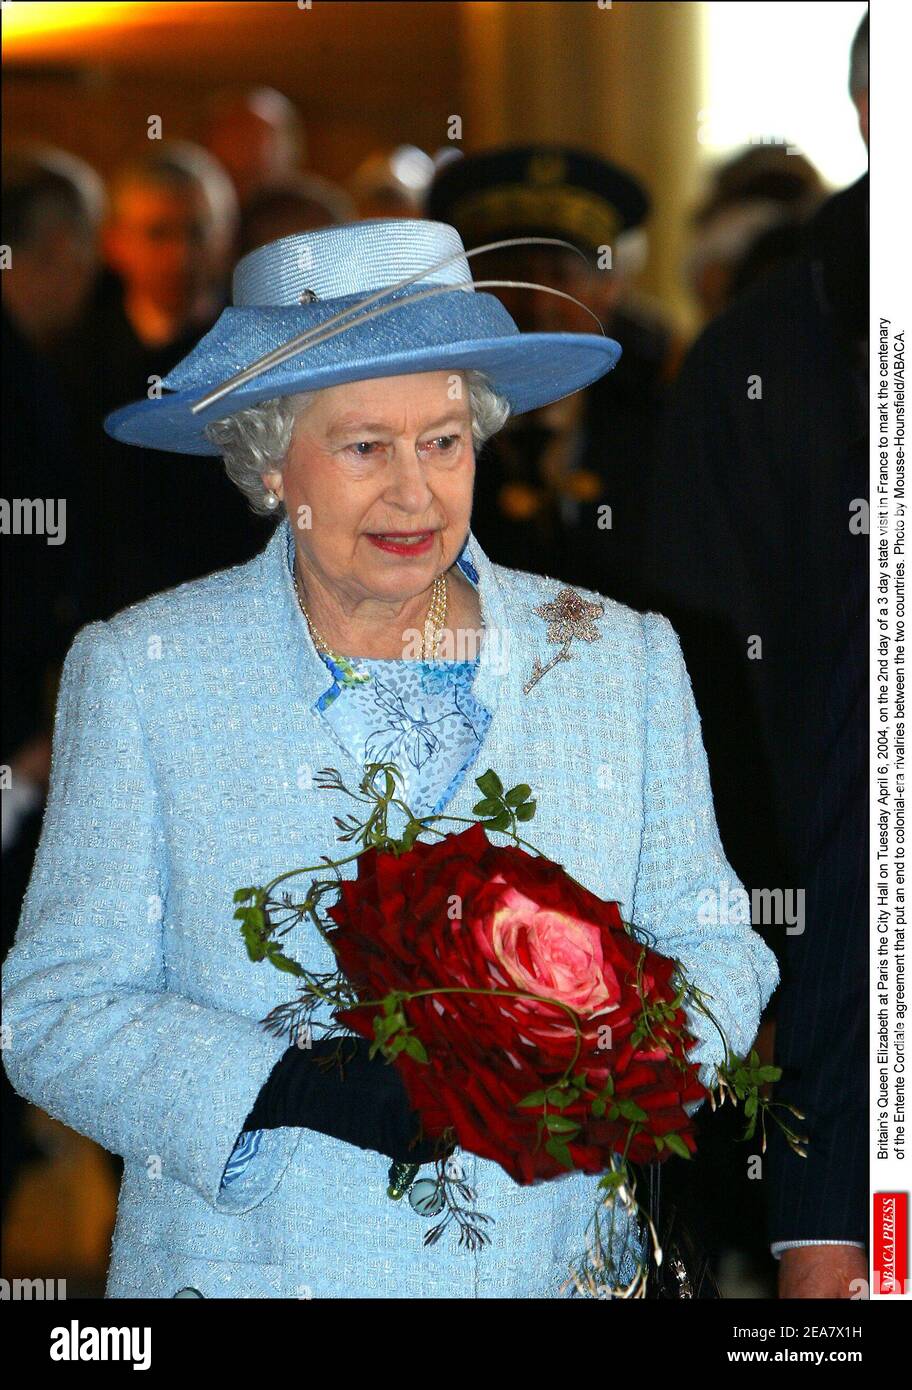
{"x": 239, "y": 336}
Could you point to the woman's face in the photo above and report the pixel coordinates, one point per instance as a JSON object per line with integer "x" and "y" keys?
{"x": 378, "y": 483}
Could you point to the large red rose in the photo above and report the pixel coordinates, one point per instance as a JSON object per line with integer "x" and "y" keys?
{"x": 464, "y": 912}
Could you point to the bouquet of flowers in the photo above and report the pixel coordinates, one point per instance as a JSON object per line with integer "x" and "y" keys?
{"x": 531, "y": 1024}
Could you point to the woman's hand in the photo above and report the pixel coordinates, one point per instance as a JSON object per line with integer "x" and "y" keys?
{"x": 362, "y": 1102}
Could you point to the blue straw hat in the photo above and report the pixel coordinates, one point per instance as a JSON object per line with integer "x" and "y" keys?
{"x": 367, "y": 299}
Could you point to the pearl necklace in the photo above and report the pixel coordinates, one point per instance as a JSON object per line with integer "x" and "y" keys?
{"x": 433, "y": 623}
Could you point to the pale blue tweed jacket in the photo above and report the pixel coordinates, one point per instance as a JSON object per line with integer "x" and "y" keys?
{"x": 184, "y": 744}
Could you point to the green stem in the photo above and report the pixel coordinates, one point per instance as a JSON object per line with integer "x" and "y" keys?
{"x": 466, "y": 820}
{"x": 311, "y": 869}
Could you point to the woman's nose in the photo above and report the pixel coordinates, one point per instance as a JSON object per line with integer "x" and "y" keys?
{"x": 408, "y": 486}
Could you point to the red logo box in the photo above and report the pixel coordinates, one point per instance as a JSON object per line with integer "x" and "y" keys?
{"x": 891, "y": 1242}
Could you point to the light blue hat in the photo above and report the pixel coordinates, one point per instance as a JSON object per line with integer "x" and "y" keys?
{"x": 400, "y": 297}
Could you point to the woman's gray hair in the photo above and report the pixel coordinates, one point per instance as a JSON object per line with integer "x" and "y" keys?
{"x": 256, "y": 440}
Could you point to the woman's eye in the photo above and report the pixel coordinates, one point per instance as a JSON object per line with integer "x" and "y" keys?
{"x": 368, "y": 448}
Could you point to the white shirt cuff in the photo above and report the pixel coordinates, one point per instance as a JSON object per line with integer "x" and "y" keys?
{"x": 778, "y": 1246}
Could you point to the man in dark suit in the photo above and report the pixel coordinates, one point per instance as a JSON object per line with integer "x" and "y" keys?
{"x": 761, "y": 558}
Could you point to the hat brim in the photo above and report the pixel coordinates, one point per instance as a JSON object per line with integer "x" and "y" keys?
{"x": 530, "y": 370}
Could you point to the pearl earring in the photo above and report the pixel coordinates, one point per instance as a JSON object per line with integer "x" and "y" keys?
{"x": 271, "y": 500}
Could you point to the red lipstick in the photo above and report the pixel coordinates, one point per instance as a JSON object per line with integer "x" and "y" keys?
{"x": 399, "y": 542}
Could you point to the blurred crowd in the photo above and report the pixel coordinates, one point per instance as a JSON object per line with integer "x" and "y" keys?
{"x": 664, "y": 485}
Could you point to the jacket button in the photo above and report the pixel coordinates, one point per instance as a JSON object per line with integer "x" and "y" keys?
{"x": 188, "y": 1293}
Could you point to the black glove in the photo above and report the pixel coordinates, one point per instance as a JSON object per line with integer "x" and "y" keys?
{"x": 364, "y": 1103}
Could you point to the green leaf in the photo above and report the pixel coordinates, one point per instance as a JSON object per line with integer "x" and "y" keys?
{"x": 490, "y": 783}
{"x": 516, "y": 795}
{"x": 490, "y": 806}
{"x": 282, "y": 962}
{"x": 561, "y": 1124}
{"x": 750, "y": 1106}
{"x": 558, "y": 1149}
{"x": 609, "y": 1180}
{"x": 560, "y": 1098}
{"x": 631, "y": 1111}
{"x": 415, "y": 1048}
{"x": 598, "y": 1108}
{"x": 501, "y": 822}
{"x": 256, "y": 948}
{"x": 526, "y": 811}
{"x": 385, "y": 1027}
{"x": 769, "y": 1073}
{"x": 243, "y": 894}
{"x": 533, "y": 1098}
{"x": 677, "y": 1145}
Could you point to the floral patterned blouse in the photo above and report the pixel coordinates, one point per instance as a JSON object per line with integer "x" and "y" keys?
{"x": 422, "y": 716}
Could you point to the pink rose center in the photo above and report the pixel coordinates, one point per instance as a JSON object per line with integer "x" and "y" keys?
{"x": 552, "y": 954}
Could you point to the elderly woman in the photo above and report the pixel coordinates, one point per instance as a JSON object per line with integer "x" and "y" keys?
{"x": 347, "y": 388}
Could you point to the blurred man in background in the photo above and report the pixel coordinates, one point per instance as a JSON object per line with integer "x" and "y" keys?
{"x": 750, "y": 220}
{"x": 169, "y": 237}
{"x": 392, "y": 183}
{"x": 560, "y": 490}
{"x": 257, "y": 136}
{"x": 299, "y": 203}
{"x": 167, "y": 240}
{"x": 52, "y": 205}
